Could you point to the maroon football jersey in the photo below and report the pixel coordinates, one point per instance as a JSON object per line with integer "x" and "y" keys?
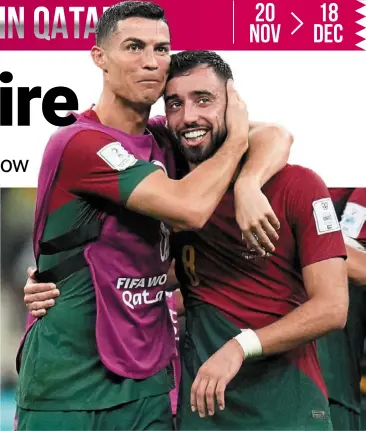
{"x": 215, "y": 267}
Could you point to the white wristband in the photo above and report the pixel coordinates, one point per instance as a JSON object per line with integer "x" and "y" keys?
{"x": 250, "y": 343}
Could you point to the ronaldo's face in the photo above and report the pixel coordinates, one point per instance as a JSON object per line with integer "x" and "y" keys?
{"x": 137, "y": 59}
{"x": 195, "y": 105}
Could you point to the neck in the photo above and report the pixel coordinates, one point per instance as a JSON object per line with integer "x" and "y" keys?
{"x": 122, "y": 115}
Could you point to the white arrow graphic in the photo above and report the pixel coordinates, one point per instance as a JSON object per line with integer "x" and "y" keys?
{"x": 301, "y": 23}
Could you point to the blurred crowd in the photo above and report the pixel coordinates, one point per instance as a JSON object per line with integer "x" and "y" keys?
{"x": 17, "y": 215}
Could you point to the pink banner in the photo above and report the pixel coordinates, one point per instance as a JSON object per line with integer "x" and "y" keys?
{"x": 195, "y": 24}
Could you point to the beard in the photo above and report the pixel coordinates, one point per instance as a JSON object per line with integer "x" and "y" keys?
{"x": 199, "y": 154}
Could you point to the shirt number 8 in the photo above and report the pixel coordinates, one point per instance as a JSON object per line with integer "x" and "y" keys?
{"x": 188, "y": 259}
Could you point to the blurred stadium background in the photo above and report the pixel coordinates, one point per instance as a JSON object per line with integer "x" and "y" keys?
{"x": 17, "y": 212}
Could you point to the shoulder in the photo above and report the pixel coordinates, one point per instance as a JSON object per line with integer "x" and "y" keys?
{"x": 302, "y": 173}
{"x": 358, "y": 196}
{"x": 75, "y": 135}
{"x": 84, "y": 143}
{"x": 297, "y": 190}
{"x": 158, "y": 127}
{"x": 87, "y": 150}
{"x": 305, "y": 183}
{"x": 294, "y": 178}
{"x": 72, "y": 142}
{"x": 299, "y": 173}
{"x": 157, "y": 121}
{"x": 162, "y": 135}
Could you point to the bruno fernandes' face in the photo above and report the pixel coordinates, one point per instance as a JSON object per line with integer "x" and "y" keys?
{"x": 195, "y": 105}
{"x": 136, "y": 60}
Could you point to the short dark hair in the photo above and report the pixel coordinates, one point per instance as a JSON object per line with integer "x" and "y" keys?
{"x": 185, "y": 61}
{"x": 107, "y": 23}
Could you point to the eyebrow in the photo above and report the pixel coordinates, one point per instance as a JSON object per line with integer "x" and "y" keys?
{"x": 171, "y": 97}
{"x": 203, "y": 93}
{"x": 195, "y": 93}
{"x": 141, "y": 42}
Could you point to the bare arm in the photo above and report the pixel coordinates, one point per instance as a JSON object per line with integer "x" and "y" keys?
{"x": 268, "y": 153}
{"x": 327, "y": 287}
{"x": 188, "y": 203}
{"x": 356, "y": 265}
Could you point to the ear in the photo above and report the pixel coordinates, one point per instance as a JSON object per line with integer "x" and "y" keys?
{"x": 99, "y": 58}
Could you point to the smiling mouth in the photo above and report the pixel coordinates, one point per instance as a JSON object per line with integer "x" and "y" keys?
{"x": 194, "y": 137}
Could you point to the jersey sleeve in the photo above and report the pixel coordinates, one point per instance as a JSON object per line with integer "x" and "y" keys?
{"x": 354, "y": 216}
{"x": 97, "y": 165}
{"x": 313, "y": 219}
